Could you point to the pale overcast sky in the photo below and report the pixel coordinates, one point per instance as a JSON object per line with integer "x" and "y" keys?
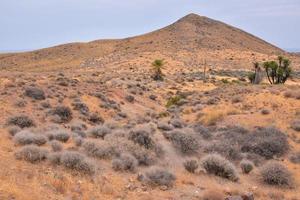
{"x": 33, "y": 24}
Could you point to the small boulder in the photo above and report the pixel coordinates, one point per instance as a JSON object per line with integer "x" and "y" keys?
{"x": 248, "y": 196}
{"x": 234, "y": 198}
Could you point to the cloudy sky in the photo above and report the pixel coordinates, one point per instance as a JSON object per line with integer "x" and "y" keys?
{"x": 33, "y": 24}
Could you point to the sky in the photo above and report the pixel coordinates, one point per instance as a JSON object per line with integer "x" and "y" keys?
{"x": 34, "y": 24}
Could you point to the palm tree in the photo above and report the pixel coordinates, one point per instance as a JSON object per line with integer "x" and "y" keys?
{"x": 286, "y": 69}
{"x": 280, "y": 60}
{"x": 267, "y": 68}
{"x": 278, "y": 73}
{"x": 157, "y": 67}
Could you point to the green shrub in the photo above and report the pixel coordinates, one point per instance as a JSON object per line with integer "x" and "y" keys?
{"x": 157, "y": 68}
{"x": 173, "y": 101}
{"x": 251, "y": 76}
{"x": 246, "y": 166}
{"x": 225, "y": 81}
{"x": 278, "y": 73}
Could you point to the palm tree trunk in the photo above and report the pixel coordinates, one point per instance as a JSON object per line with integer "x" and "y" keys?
{"x": 267, "y": 71}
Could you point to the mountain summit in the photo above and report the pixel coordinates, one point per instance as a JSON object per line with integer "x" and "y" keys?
{"x": 192, "y": 34}
{"x": 202, "y": 32}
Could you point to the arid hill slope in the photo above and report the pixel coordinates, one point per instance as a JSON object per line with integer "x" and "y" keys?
{"x": 88, "y": 121}
{"x": 192, "y": 36}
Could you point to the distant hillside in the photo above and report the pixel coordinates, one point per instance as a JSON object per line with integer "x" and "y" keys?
{"x": 190, "y": 36}
{"x": 293, "y": 50}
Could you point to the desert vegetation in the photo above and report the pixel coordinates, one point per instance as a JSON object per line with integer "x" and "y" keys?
{"x": 276, "y": 174}
{"x": 219, "y": 166}
{"x": 118, "y": 128}
{"x": 278, "y": 73}
{"x": 157, "y": 69}
{"x": 189, "y": 135}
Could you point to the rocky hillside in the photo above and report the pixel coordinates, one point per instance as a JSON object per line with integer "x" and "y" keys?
{"x": 192, "y": 37}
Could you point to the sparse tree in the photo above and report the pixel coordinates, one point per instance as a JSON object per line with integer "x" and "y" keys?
{"x": 157, "y": 67}
{"x": 278, "y": 73}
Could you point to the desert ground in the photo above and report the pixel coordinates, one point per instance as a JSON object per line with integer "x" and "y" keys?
{"x": 86, "y": 121}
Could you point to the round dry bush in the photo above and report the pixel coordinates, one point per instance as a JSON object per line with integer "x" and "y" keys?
{"x": 144, "y": 156}
{"x": 125, "y": 162}
{"x": 78, "y": 133}
{"x": 201, "y": 130}
{"x": 295, "y": 158}
{"x": 35, "y": 93}
{"x": 227, "y": 142}
{"x": 99, "y": 131}
{"x": 31, "y": 154}
{"x": 225, "y": 148}
{"x": 256, "y": 159}
{"x": 54, "y": 158}
{"x": 45, "y": 104}
{"x": 63, "y": 112}
{"x": 81, "y": 107}
{"x": 164, "y": 126}
{"x": 59, "y": 135}
{"x": 177, "y": 123}
{"x": 78, "y": 162}
{"x": 78, "y": 126}
{"x": 95, "y": 118}
{"x": 187, "y": 143}
{"x": 13, "y": 130}
{"x": 21, "y": 121}
{"x": 78, "y": 141}
{"x": 296, "y": 125}
{"x": 219, "y": 166}
{"x": 20, "y": 103}
{"x": 26, "y": 137}
{"x": 111, "y": 125}
{"x": 191, "y": 165}
{"x": 56, "y": 146}
{"x": 274, "y": 173}
{"x": 121, "y": 145}
{"x": 266, "y": 142}
{"x": 99, "y": 149}
{"x": 158, "y": 177}
{"x": 246, "y": 166}
{"x": 142, "y": 137}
